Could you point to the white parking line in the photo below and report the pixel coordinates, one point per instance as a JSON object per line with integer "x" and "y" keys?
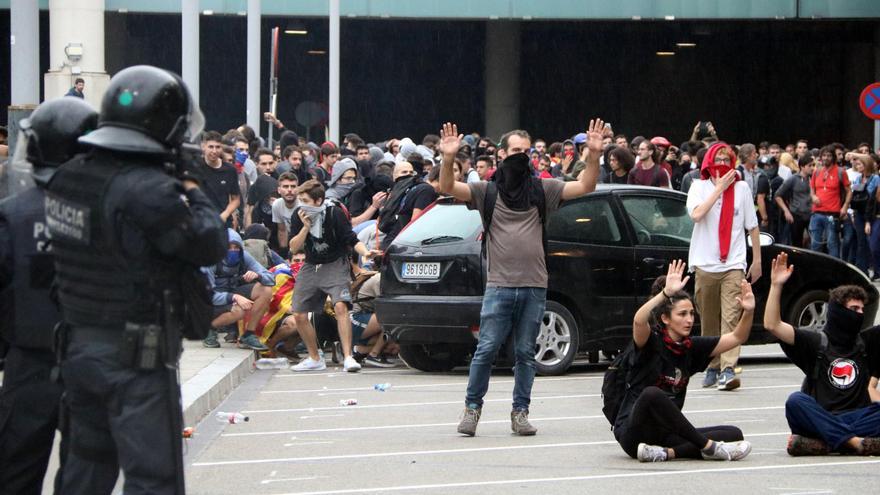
{"x": 424, "y": 452}
{"x": 507, "y": 399}
{"x": 408, "y": 404}
{"x": 644, "y": 474}
{"x": 426, "y": 385}
{"x": 304, "y": 478}
{"x": 484, "y": 421}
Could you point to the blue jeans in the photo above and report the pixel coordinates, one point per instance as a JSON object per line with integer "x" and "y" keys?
{"x": 507, "y": 309}
{"x": 823, "y": 227}
{"x": 863, "y": 251}
{"x": 807, "y": 418}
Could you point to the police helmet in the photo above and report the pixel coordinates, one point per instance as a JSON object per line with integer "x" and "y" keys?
{"x": 146, "y": 110}
{"x": 51, "y": 133}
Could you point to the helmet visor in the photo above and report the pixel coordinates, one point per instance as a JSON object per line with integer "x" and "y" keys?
{"x": 15, "y": 175}
{"x": 196, "y": 123}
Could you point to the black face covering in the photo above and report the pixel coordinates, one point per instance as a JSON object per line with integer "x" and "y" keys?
{"x": 843, "y": 326}
{"x": 514, "y": 179}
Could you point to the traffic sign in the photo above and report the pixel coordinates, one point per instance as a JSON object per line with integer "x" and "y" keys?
{"x": 869, "y": 101}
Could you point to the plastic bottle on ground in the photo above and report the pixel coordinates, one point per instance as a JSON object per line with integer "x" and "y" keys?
{"x": 381, "y": 387}
{"x": 271, "y": 363}
{"x": 231, "y": 417}
{"x": 348, "y": 402}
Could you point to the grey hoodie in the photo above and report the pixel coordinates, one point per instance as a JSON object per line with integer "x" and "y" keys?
{"x": 337, "y": 191}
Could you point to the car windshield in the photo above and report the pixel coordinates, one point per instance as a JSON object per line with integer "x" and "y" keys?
{"x": 440, "y": 224}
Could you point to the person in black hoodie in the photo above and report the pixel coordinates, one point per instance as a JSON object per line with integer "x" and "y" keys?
{"x": 838, "y": 407}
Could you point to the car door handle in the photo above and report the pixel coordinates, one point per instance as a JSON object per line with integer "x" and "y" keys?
{"x": 655, "y": 262}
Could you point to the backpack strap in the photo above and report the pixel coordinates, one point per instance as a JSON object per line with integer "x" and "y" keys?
{"x": 488, "y": 211}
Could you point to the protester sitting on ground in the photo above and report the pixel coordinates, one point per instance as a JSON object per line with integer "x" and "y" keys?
{"x": 256, "y": 243}
{"x": 241, "y": 285}
{"x": 835, "y": 411}
{"x": 280, "y": 335}
{"x": 365, "y": 327}
{"x": 325, "y": 232}
{"x": 650, "y": 425}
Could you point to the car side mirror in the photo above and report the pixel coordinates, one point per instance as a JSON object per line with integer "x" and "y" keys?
{"x": 764, "y": 239}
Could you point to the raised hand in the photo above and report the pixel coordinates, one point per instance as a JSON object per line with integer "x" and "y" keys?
{"x": 780, "y": 270}
{"x": 723, "y": 182}
{"x": 674, "y": 280}
{"x": 746, "y": 298}
{"x": 594, "y": 136}
{"x": 450, "y": 139}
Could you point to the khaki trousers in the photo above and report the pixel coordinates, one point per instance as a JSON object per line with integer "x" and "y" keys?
{"x": 715, "y": 295}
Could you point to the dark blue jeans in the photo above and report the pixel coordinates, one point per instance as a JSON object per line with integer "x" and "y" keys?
{"x": 864, "y": 260}
{"x": 506, "y": 310}
{"x": 823, "y": 229}
{"x": 807, "y": 418}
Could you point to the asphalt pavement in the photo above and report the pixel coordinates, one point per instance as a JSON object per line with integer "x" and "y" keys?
{"x": 300, "y": 440}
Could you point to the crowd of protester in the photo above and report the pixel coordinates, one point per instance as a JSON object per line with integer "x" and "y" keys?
{"x": 824, "y": 199}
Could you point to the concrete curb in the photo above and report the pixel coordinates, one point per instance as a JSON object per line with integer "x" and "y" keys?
{"x": 204, "y": 391}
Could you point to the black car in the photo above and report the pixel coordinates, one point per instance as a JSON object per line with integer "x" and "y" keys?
{"x": 604, "y": 252}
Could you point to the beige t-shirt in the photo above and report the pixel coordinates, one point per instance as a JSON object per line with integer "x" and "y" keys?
{"x": 515, "y": 241}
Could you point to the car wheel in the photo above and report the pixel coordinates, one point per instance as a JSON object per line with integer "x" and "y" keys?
{"x": 810, "y": 311}
{"x": 557, "y": 342}
{"x": 432, "y": 357}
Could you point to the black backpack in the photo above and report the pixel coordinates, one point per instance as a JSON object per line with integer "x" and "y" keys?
{"x": 620, "y": 378}
{"x": 390, "y": 211}
{"x": 489, "y": 211}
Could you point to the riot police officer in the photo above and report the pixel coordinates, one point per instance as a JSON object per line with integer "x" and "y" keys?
{"x": 30, "y": 398}
{"x": 126, "y": 229}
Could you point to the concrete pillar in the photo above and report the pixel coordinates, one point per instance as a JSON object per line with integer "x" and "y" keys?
{"x": 502, "y": 77}
{"x": 189, "y": 49}
{"x": 333, "y": 127}
{"x": 254, "y": 14}
{"x": 74, "y": 24}
{"x": 24, "y": 45}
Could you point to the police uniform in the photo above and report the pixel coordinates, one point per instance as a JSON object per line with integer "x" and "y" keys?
{"x": 29, "y": 400}
{"x": 30, "y": 397}
{"x": 124, "y": 231}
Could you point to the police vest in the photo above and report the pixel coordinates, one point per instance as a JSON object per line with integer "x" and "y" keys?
{"x": 97, "y": 285}
{"x": 29, "y": 314}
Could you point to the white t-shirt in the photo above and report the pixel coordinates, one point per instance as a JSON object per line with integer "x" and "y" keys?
{"x": 705, "y": 249}
{"x": 784, "y": 172}
{"x": 281, "y": 213}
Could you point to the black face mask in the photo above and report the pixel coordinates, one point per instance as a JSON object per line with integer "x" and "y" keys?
{"x": 514, "y": 179}
{"x": 843, "y": 326}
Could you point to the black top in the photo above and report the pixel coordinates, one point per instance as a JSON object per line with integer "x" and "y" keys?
{"x": 842, "y": 383}
{"x": 419, "y": 197}
{"x": 337, "y": 239}
{"x": 673, "y": 372}
{"x": 220, "y": 183}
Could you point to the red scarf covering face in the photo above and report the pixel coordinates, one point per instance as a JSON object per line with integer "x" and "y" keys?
{"x": 707, "y": 171}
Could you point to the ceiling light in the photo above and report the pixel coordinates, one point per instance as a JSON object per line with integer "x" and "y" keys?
{"x": 665, "y": 54}
{"x": 317, "y": 52}
{"x": 685, "y": 45}
{"x": 296, "y": 31}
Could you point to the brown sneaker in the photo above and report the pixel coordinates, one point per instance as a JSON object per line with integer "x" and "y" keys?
{"x": 519, "y": 423}
{"x": 469, "y": 419}
{"x": 799, "y": 445}
{"x": 870, "y": 446}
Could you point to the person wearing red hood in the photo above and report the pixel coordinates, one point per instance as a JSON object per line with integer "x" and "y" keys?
{"x": 721, "y": 207}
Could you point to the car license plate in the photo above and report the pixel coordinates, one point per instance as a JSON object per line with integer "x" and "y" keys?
{"x": 421, "y": 270}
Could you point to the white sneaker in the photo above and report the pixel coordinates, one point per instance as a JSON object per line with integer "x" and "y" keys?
{"x": 309, "y": 364}
{"x": 351, "y": 365}
{"x": 651, "y": 453}
{"x": 733, "y": 451}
